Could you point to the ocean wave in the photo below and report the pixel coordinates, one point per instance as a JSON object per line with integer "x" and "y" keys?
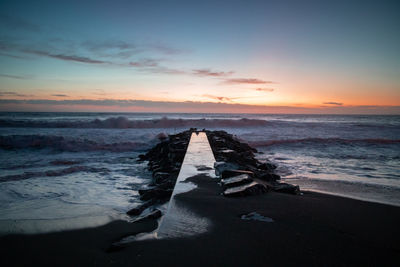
{"x": 61, "y": 143}
{"x": 51, "y": 173}
{"x": 124, "y": 123}
{"x": 322, "y": 141}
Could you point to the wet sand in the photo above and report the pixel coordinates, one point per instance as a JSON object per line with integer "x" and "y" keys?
{"x": 309, "y": 230}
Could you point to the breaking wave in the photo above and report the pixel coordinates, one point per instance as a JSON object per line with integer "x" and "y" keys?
{"x": 51, "y": 173}
{"x": 124, "y": 123}
{"x": 323, "y": 141}
{"x": 61, "y": 143}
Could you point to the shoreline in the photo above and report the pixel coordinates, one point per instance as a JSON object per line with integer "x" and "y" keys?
{"x": 132, "y": 219}
{"x": 252, "y": 218}
{"x": 309, "y": 229}
{"x": 349, "y": 197}
{"x": 383, "y": 194}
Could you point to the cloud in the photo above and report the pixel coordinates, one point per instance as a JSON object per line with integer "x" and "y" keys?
{"x": 165, "y": 70}
{"x": 333, "y": 103}
{"x": 15, "y": 76}
{"x": 10, "y": 55}
{"x": 14, "y": 94}
{"x": 60, "y": 95}
{"x": 108, "y": 44}
{"x": 245, "y": 81}
{"x": 264, "y": 89}
{"x": 115, "y": 53}
{"x": 185, "y": 106}
{"x": 208, "y": 72}
{"x": 220, "y": 98}
{"x": 74, "y": 58}
{"x": 153, "y": 66}
{"x": 125, "y": 49}
{"x": 165, "y": 49}
{"x": 143, "y": 63}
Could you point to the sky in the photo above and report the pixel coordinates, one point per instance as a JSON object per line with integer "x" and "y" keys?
{"x": 201, "y": 56}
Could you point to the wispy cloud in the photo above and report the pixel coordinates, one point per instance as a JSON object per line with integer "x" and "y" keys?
{"x": 149, "y": 65}
{"x": 112, "y": 53}
{"x": 245, "y": 81}
{"x": 220, "y": 98}
{"x": 11, "y": 55}
{"x": 210, "y": 73}
{"x": 183, "y": 106}
{"x": 125, "y": 49}
{"x": 165, "y": 49}
{"x": 166, "y": 70}
{"x": 74, "y": 58}
{"x": 333, "y": 103}
{"x": 19, "y": 77}
{"x": 264, "y": 89}
{"x": 60, "y": 95}
{"x": 143, "y": 63}
{"x": 14, "y": 94}
{"x": 108, "y": 44}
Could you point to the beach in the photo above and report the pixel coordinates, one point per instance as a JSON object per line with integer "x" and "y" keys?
{"x": 58, "y": 174}
{"x": 199, "y": 133}
{"x": 310, "y": 229}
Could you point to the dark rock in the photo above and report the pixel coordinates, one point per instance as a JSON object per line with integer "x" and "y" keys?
{"x": 164, "y": 160}
{"x": 155, "y": 193}
{"x": 286, "y": 188}
{"x": 251, "y": 189}
{"x": 236, "y": 181}
{"x": 168, "y": 184}
{"x": 266, "y": 166}
{"x": 203, "y": 168}
{"x": 269, "y": 177}
{"x": 142, "y": 157}
{"x": 220, "y": 167}
{"x": 162, "y": 136}
{"x": 232, "y": 152}
{"x": 230, "y": 173}
{"x": 160, "y": 177}
{"x": 234, "y": 158}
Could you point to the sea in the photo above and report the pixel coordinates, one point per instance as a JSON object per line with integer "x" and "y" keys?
{"x": 62, "y": 171}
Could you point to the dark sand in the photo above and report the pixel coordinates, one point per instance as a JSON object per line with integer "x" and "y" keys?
{"x": 308, "y": 230}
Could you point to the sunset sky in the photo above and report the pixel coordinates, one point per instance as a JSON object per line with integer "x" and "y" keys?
{"x": 200, "y": 56}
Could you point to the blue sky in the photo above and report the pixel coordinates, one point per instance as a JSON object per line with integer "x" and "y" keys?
{"x": 330, "y": 56}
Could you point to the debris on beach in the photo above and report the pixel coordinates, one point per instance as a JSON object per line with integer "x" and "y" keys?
{"x": 252, "y": 188}
{"x": 254, "y": 216}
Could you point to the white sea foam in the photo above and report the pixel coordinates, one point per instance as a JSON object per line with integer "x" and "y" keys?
{"x": 60, "y": 166}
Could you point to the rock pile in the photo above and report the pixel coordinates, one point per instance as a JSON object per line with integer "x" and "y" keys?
{"x": 240, "y": 172}
{"x": 164, "y": 161}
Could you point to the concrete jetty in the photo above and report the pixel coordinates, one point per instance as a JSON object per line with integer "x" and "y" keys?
{"x": 199, "y": 160}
